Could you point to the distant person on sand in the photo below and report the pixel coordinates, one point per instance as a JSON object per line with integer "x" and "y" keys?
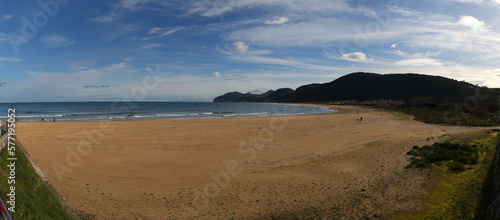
{"x": 361, "y": 119}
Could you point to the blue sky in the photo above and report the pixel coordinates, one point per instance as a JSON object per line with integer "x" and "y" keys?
{"x": 194, "y": 50}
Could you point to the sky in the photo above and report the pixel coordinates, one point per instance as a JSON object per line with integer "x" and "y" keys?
{"x": 195, "y": 50}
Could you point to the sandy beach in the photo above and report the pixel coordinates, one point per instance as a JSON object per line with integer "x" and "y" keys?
{"x": 242, "y": 168}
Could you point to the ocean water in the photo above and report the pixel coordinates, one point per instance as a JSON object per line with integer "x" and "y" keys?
{"x": 122, "y": 111}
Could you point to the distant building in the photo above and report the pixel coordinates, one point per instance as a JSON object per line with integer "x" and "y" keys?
{"x": 375, "y": 102}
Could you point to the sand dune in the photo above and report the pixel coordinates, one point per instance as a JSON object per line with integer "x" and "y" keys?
{"x": 244, "y": 168}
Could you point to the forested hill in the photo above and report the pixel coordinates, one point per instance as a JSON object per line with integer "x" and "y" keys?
{"x": 366, "y": 86}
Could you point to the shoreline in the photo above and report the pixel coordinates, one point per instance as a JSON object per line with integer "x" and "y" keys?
{"x": 202, "y": 118}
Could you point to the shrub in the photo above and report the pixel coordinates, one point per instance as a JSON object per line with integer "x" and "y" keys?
{"x": 474, "y": 160}
{"x": 424, "y": 156}
{"x": 463, "y": 159}
{"x": 456, "y": 166}
{"x": 412, "y": 153}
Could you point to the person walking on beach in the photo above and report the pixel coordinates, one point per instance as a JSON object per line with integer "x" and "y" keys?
{"x": 361, "y": 119}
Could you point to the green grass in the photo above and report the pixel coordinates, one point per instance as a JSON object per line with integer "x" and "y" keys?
{"x": 439, "y": 116}
{"x": 459, "y": 195}
{"x": 34, "y": 200}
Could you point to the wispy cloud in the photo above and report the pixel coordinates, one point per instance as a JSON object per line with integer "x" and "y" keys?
{"x": 149, "y": 46}
{"x": 225, "y": 76}
{"x": 10, "y": 59}
{"x": 110, "y": 16}
{"x": 479, "y": 2}
{"x": 428, "y": 31}
{"x": 55, "y": 41}
{"x": 116, "y": 66}
{"x": 427, "y": 54}
{"x": 419, "y": 62}
{"x": 118, "y": 8}
{"x": 310, "y": 33}
{"x": 210, "y": 8}
{"x": 5, "y": 18}
{"x": 277, "y": 20}
{"x": 285, "y": 62}
{"x": 158, "y": 32}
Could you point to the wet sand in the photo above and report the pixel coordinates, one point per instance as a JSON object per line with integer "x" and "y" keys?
{"x": 244, "y": 168}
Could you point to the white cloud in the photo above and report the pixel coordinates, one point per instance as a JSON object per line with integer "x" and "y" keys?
{"x": 120, "y": 77}
{"x": 149, "y": 46}
{"x": 131, "y": 5}
{"x": 116, "y": 66}
{"x": 468, "y": 1}
{"x": 286, "y": 62}
{"x": 216, "y": 74}
{"x": 239, "y": 47}
{"x": 277, "y": 20}
{"x": 487, "y": 3}
{"x": 401, "y": 53}
{"x": 5, "y": 18}
{"x": 157, "y": 32}
{"x": 472, "y": 23}
{"x": 55, "y": 41}
{"x": 10, "y": 59}
{"x": 210, "y": 8}
{"x": 120, "y": 7}
{"x": 317, "y": 32}
{"x": 225, "y": 76}
{"x": 430, "y": 31}
{"x": 394, "y": 45}
{"x": 163, "y": 31}
{"x": 418, "y": 62}
{"x": 111, "y": 16}
{"x": 356, "y": 56}
{"x": 404, "y": 11}
{"x": 418, "y": 55}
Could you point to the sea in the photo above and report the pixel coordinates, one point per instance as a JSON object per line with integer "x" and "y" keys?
{"x": 128, "y": 111}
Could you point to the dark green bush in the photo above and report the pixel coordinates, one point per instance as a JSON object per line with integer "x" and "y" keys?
{"x": 456, "y": 166}
{"x": 463, "y": 159}
{"x": 424, "y": 156}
